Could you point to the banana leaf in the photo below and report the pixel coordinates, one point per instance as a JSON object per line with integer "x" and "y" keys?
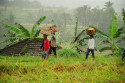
{"x": 118, "y": 50}
{"x": 17, "y": 31}
{"x": 37, "y": 24}
{"x": 113, "y": 27}
{"x": 76, "y": 28}
{"x": 119, "y": 32}
{"x": 23, "y": 29}
{"x": 37, "y": 33}
{"x": 9, "y": 34}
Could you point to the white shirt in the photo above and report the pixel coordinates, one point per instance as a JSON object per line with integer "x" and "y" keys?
{"x": 91, "y": 43}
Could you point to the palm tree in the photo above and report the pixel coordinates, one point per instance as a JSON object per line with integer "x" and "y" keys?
{"x": 21, "y": 33}
{"x": 108, "y": 4}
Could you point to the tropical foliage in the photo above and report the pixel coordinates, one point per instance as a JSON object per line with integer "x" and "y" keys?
{"x": 113, "y": 38}
{"x": 20, "y": 32}
{"x": 110, "y": 40}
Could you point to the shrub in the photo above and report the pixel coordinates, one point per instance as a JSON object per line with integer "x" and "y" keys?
{"x": 67, "y": 53}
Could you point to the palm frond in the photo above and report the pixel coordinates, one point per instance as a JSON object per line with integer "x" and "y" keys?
{"x": 37, "y": 24}
{"x": 23, "y": 29}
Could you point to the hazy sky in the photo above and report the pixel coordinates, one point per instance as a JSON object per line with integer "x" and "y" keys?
{"x": 118, "y": 4}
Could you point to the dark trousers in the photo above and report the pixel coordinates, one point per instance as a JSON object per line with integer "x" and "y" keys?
{"x": 123, "y": 57}
{"x": 52, "y": 49}
{"x": 88, "y": 51}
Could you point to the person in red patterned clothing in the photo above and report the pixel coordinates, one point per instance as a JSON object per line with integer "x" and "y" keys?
{"x": 45, "y": 47}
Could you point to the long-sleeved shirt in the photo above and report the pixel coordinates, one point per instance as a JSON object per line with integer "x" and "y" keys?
{"x": 45, "y": 45}
{"x": 91, "y": 44}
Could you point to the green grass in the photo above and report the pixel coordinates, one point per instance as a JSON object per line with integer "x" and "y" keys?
{"x": 104, "y": 69}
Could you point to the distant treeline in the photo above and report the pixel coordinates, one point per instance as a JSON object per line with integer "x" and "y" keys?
{"x": 20, "y": 3}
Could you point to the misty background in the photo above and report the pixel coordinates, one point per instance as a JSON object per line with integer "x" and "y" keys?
{"x": 118, "y": 4}
{"x": 62, "y": 13}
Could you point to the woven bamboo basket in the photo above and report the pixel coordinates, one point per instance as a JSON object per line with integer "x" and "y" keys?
{"x": 90, "y": 31}
{"x": 46, "y": 31}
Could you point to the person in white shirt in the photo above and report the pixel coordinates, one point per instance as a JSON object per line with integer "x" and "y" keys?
{"x": 90, "y": 47}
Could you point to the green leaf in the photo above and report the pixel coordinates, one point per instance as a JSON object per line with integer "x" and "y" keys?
{"x": 113, "y": 27}
{"x": 118, "y": 50}
{"x": 37, "y": 33}
{"x": 37, "y": 24}
{"x": 123, "y": 14}
{"x": 99, "y": 31}
{"x": 76, "y": 28}
{"x": 83, "y": 39}
{"x": 9, "y": 34}
{"x": 119, "y": 32}
{"x": 23, "y": 29}
{"x": 17, "y": 31}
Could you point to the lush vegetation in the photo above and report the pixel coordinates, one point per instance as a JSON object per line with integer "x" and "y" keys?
{"x": 19, "y": 32}
{"x": 18, "y": 22}
{"x": 62, "y": 69}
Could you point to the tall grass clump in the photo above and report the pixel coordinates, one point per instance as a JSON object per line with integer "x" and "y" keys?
{"x": 67, "y": 53}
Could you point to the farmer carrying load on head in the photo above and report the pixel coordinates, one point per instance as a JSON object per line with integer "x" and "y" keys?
{"x": 45, "y": 47}
{"x": 90, "y": 32}
{"x": 54, "y": 29}
{"x": 53, "y": 44}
